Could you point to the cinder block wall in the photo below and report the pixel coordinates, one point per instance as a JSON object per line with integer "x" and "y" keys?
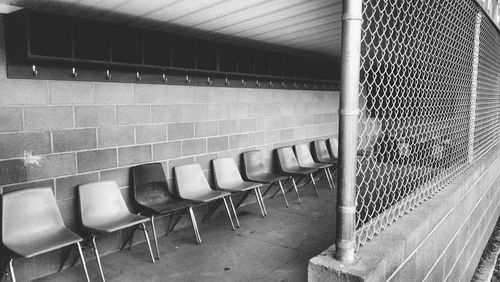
{"x": 86, "y": 131}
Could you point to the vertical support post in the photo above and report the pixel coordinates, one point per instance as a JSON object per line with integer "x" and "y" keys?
{"x": 348, "y": 123}
{"x": 473, "y": 95}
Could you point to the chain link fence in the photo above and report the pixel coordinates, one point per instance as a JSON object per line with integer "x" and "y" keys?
{"x": 429, "y": 101}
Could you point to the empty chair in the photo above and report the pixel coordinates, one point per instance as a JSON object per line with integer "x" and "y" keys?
{"x": 32, "y": 225}
{"x": 228, "y": 178}
{"x": 151, "y": 196}
{"x": 333, "y": 147}
{"x": 305, "y": 159}
{"x": 103, "y": 210}
{"x": 289, "y": 166}
{"x": 321, "y": 155}
{"x": 192, "y": 185}
{"x": 255, "y": 170}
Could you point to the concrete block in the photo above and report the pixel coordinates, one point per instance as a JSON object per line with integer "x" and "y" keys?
{"x": 74, "y": 140}
{"x": 273, "y": 136}
{"x": 93, "y": 116}
{"x": 14, "y": 145}
{"x": 150, "y": 94}
{"x": 151, "y": 133}
{"x": 217, "y": 144}
{"x": 257, "y": 138}
{"x": 113, "y": 93}
{"x": 23, "y": 92}
{"x": 247, "y": 125}
{"x": 205, "y": 160}
{"x": 69, "y": 210}
{"x": 27, "y": 185}
{"x": 39, "y": 118}
{"x": 194, "y": 147}
{"x": 205, "y": 128}
{"x": 66, "y": 187}
{"x": 194, "y": 112}
{"x": 226, "y": 95}
{"x": 96, "y": 160}
{"x": 115, "y": 136}
{"x": 167, "y": 150}
{"x": 134, "y": 155}
{"x": 71, "y": 92}
{"x": 238, "y": 141}
{"x": 228, "y": 126}
{"x": 182, "y": 130}
{"x": 11, "y": 119}
{"x": 408, "y": 272}
{"x": 274, "y": 123}
{"x": 318, "y": 118}
{"x": 287, "y": 109}
{"x": 120, "y": 175}
{"x": 135, "y": 114}
{"x": 273, "y": 109}
{"x": 53, "y": 166}
{"x": 286, "y": 134}
{"x": 217, "y": 111}
{"x": 204, "y": 94}
{"x": 256, "y": 110}
{"x": 166, "y": 113}
{"x": 179, "y": 94}
{"x": 237, "y": 111}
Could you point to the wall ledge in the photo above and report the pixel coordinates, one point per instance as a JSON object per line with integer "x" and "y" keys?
{"x": 382, "y": 256}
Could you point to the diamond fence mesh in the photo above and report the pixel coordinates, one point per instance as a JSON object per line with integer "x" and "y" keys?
{"x": 429, "y": 101}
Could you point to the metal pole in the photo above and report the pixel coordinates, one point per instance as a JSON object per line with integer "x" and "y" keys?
{"x": 473, "y": 94}
{"x": 348, "y": 123}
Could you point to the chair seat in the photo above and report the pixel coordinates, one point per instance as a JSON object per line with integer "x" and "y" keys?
{"x": 46, "y": 241}
{"x": 122, "y": 222}
{"x": 266, "y": 177}
{"x": 208, "y": 196}
{"x": 240, "y": 187}
{"x": 299, "y": 171}
{"x": 317, "y": 165}
{"x": 166, "y": 207}
{"x": 328, "y": 161}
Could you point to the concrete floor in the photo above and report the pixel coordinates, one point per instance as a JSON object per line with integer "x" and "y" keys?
{"x": 276, "y": 248}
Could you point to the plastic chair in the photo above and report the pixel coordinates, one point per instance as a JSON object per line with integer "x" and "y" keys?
{"x": 289, "y": 166}
{"x": 151, "y": 196}
{"x": 321, "y": 155}
{"x": 305, "y": 159}
{"x": 255, "y": 170}
{"x": 103, "y": 210}
{"x": 228, "y": 178}
{"x": 32, "y": 225}
{"x": 192, "y": 185}
{"x": 333, "y": 146}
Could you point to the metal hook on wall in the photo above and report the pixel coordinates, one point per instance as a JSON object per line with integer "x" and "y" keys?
{"x": 108, "y": 75}
{"x": 138, "y": 76}
{"x": 209, "y": 81}
{"x": 188, "y": 80}
{"x": 34, "y": 70}
{"x": 283, "y": 84}
{"x": 74, "y": 74}
{"x": 243, "y": 82}
{"x": 164, "y": 77}
{"x": 226, "y": 82}
{"x": 257, "y": 82}
{"x": 271, "y": 83}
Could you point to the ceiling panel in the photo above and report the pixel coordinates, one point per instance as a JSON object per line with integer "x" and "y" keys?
{"x": 302, "y": 25}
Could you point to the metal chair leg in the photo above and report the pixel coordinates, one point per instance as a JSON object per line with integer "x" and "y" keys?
{"x": 283, "y": 192}
{"x": 228, "y": 213}
{"x": 195, "y": 226}
{"x": 327, "y": 174}
{"x": 84, "y": 264}
{"x": 296, "y": 190}
{"x": 257, "y": 197}
{"x": 314, "y": 184}
{"x": 153, "y": 228}
{"x": 11, "y": 270}
{"x": 147, "y": 241}
{"x": 96, "y": 252}
{"x": 234, "y": 211}
{"x": 262, "y": 201}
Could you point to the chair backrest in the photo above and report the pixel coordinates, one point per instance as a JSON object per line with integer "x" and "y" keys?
{"x": 150, "y": 184}
{"x": 190, "y": 181}
{"x": 321, "y": 151}
{"x": 226, "y": 173}
{"x": 101, "y": 202}
{"x": 253, "y": 164}
{"x": 334, "y": 147}
{"x": 303, "y": 154}
{"x": 27, "y": 213}
{"x": 287, "y": 159}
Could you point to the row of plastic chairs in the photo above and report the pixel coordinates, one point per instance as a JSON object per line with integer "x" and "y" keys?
{"x": 32, "y": 224}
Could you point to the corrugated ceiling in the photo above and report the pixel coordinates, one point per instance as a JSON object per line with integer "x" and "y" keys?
{"x": 312, "y": 26}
